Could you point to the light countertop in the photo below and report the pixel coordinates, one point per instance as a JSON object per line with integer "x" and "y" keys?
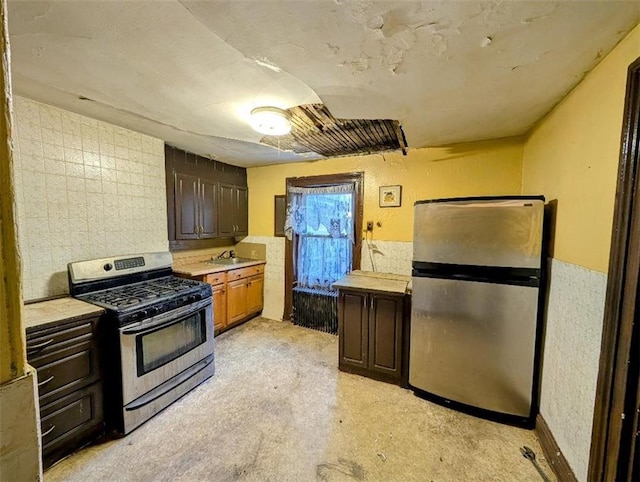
{"x": 54, "y": 311}
{"x": 373, "y": 281}
{"x": 199, "y": 268}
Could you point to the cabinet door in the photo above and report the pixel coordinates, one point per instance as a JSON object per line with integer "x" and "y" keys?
{"x": 242, "y": 211}
{"x": 385, "y": 334}
{"x": 186, "y": 206}
{"x": 226, "y": 213}
{"x": 208, "y": 208}
{"x": 255, "y": 287}
{"x": 236, "y": 300}
{"x": 353, "y": 328}
{"x": 219, "y": 306}
{"x": 69, "y": 422}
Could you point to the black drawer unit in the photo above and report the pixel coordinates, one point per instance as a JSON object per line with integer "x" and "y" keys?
{"x": 70, "y": 421}
{"x": 66, "y": 356}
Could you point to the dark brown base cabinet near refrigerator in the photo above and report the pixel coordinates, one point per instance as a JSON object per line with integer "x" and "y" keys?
{"x": 66, "y": 357}
{"x": 373, "y": 334}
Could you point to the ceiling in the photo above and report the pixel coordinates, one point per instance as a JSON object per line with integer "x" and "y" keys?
{"x": 189, "y": 72}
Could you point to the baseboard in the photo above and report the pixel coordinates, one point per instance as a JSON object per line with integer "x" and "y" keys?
{"x": 552, "y": 452}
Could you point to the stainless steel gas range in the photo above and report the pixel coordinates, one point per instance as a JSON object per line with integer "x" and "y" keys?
{"x": 157, "y": 333}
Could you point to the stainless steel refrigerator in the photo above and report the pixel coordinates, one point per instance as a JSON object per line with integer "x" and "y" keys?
{"x": 475, "y": 324}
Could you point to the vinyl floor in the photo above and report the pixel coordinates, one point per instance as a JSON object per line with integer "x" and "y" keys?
{"x": 278, "y": 409}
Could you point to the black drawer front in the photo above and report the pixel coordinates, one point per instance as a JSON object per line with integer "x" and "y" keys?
{"x": 62, "y": 371}
{"x": 39, "y": 341}
{"x": 66, "y": 422}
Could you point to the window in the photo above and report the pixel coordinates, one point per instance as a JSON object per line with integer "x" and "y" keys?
{"x": 326, "y": 239}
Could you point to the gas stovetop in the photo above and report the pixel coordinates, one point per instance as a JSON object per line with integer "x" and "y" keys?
{"x": 137, "y": 295}
{"x": 133, "y": 288}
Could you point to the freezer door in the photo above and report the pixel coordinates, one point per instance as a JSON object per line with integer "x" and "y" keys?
{"x": 479, "y": 232}
{"x": 474, "y": 343}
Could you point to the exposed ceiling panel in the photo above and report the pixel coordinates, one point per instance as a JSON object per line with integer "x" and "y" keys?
{"x": 316, "y": 131}
{"x": 190, "y": 72}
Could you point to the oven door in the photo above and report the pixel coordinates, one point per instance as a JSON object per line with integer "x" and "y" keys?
{"x": 159, "y": 348}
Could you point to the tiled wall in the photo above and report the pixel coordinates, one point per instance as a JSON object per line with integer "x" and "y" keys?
{"x": 571, "y": 357}
{"x": 84, "y": 189}
{"x": 273, "y": 275}
{"x": 388, "y": 257}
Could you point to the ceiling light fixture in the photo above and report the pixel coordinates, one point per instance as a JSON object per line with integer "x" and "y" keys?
{"x": 270, "y": 121}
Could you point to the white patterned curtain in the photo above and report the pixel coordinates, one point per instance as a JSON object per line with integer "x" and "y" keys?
{"x": 323, "y": 219}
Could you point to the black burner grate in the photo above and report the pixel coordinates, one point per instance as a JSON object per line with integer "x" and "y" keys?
{"x": 127, "y": 296}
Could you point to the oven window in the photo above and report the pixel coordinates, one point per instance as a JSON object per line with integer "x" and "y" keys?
{"x": 159, "y": 347}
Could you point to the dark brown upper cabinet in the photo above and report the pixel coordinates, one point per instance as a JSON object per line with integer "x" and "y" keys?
{"x": 195, "y": 207}
{"x": 234, "y": 210}
{"x": 207, "y": 201}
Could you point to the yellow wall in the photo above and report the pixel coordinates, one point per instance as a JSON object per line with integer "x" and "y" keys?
{"x": 572, "y": 156}
{"x": 475, "y": 168}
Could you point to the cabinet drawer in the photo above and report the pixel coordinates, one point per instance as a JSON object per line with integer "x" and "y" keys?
{"x": 71, "y": 419}
{"x": 245, "y": 272}
{"x": 70, "y": 368}
{"x": 40, "y": 341}
{"x": 216, "y": 278}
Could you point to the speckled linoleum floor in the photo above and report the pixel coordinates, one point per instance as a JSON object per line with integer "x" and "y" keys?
{"x": 278, "y": 409}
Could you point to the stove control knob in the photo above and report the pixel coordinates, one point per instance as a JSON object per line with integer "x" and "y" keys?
{"x": 108, "y": 267}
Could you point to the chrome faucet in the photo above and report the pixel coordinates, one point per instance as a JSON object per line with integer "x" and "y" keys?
{"x": 221, "y": 254}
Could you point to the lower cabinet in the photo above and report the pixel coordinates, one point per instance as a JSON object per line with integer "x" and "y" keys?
{"x": 219, "y": 306}
{"x": 236, "y": 301}
{"x": 255, "y": 294}
{"x": 373, "y": 335}
{"x": 245, "y": 293}
{"x": 238, "y": 294}
{"x": 66, "y": 357}
{"x": 218, "y": 282}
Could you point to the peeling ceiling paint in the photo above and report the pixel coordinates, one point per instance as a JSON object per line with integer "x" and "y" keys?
{"x": 190, "y": 72}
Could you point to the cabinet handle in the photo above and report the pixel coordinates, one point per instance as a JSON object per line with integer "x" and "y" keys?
{"x": 48, "y": 431}
{"x": 39, "y": 346}
{"x": 46, "y": 381}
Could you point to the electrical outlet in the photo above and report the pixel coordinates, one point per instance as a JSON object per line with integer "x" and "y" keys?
{"x": 369, "y": 225}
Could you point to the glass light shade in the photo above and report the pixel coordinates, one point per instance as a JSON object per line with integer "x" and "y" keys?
{"x": 270, "y": 121}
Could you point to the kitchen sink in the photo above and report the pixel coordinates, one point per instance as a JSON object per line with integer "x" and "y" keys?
{"x": 228, "y": 261}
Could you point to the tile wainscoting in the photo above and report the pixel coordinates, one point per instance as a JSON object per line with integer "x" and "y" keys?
{"x": 84, "y": 189}
{"x": 571, "y": 358}
{"x": 388, "y": 257}
{"x": 273, "y": 275}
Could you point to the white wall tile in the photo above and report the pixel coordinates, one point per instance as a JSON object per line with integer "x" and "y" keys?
{"x": 571, "y": 357}
{"x": 76, "y": 200}
{"x": 389, "y": 257}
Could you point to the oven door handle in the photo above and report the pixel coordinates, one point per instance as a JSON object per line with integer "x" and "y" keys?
{"x": 169, "y": 385}
{"x": 164, "y": 318}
